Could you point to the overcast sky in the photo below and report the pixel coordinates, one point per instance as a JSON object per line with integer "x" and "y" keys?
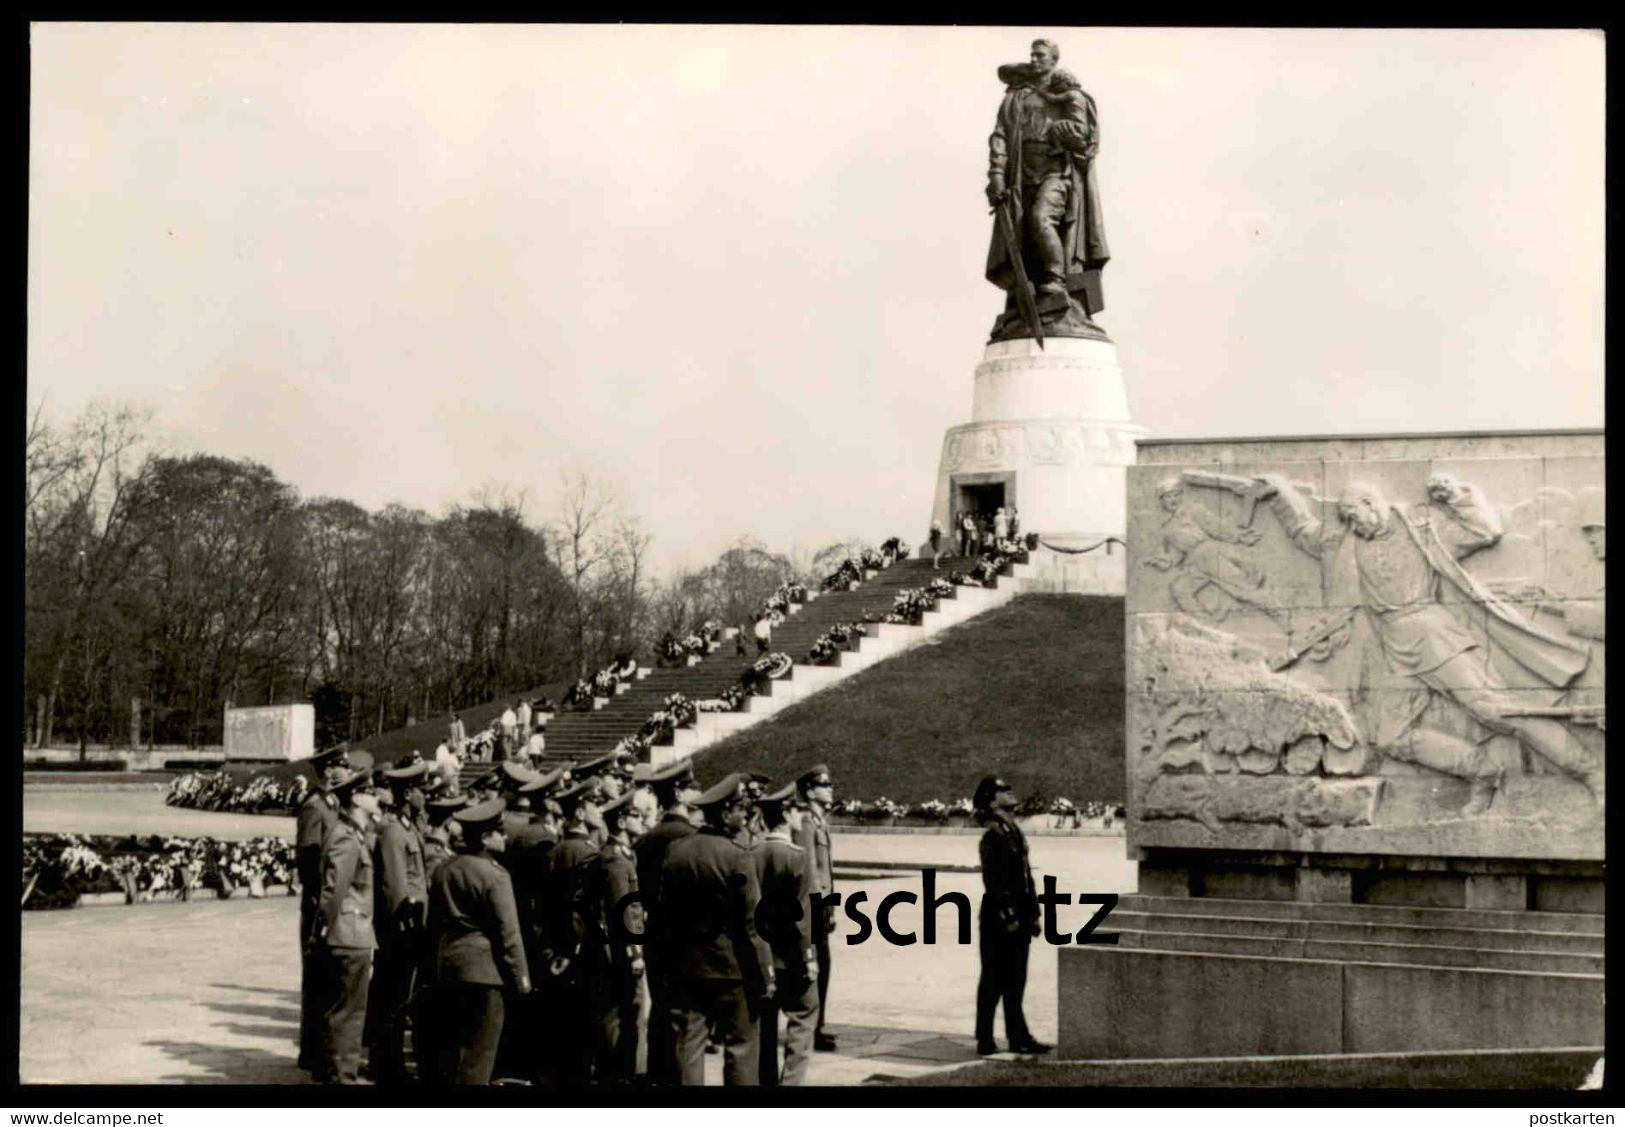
{"x": 740, "y": 269}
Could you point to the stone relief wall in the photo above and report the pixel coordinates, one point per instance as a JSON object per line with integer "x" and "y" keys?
{"x": 1367, "y": 655}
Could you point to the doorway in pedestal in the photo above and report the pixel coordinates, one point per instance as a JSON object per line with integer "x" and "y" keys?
{"x": 981, "y": 494}
{"x": 981, "y": 500}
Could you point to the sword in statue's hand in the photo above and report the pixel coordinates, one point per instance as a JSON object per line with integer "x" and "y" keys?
{"x": 1023, "y": 288}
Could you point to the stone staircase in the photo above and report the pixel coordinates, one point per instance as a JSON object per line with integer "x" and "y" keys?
{"x": 1561, "y": 942}
{"x": 576, "y": 736}
{"x": 1291, "y": 977}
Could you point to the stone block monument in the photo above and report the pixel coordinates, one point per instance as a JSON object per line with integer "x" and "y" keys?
{"x": 1366, "y": 750}
{"x": 1390, "y": 648}
{"x": 281, "y": 732}
{"x": 1050, "y": 431}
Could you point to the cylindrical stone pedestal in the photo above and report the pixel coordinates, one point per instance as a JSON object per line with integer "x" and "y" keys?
{"x": 1050, "y": 433}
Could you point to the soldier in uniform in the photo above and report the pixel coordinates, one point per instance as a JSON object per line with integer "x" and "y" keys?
{"x": 571, "y": 871}
{"x": 818, "y": 792}
{"x": 316, "y": 816}
{"x": 615, "y": 968}
{"x": 675, "y": 791}
{"x": 343, "y": 941}
{"x": 401, "y": 921}
{"x": 439, "y": 846}
{"x": 441, "y": 836}
{"x": 531, "y": 838}
{"x": 597, "y": 774}
{"x": 474, "y": 926}
{"x": 1006, "y": 922}
{"x": 721, "y": 969}
{"x": 785, "y": 871}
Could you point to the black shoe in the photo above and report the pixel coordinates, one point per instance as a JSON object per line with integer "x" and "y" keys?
{"x": 1031, "y": 1047}
{"x": 824, "y": 1043}
{"x": 986, "y": 1049}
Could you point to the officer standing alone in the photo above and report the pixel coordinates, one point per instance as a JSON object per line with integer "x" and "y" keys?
{"x": 1006, "y": 922}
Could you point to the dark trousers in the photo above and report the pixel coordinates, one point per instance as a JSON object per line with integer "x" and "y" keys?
{"x": 310, "y": 994}
{"x": 393, "y": 978}
{"x": 614, "y": 1003}
{"x": 1003, "y": 978}
{"x": 469, "y": 1027}
{"x": 797, "y": 1000}
{"x": 343, "y": 973}
{"x": 661, "y": 1066}
{"x": 567, "y": 1044}
{"x": 722, "y": 1002}
{"x": 821, "y": 949}
{"x": 761, "y": 645}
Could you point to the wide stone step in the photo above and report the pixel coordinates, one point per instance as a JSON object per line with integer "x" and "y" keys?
{"x": 1580, "y": 922}
{"x": 1364, "y": 952}
{"x": 1331, "y": 930}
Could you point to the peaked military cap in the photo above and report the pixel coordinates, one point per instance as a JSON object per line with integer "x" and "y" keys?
{"x": 407, "y": 772}
{"x": 986, "y": 789}
{"x": 514, "y": 774}
{"x": 353, "y": 781}
{"x": 787, "y": 793}
{"x": 576, "y": 793}
{"x": 543, "y": 782}
{"x": 619, "y": 808}
{"x": 813, "y": 777}
{"x": 593, "y": 766}
{"x": 442, "y": 808}
{"x": 329, "y": 757}
{"x": 672, "y": 774}
{"x": 729, "y": 789}
{"x": 480, "y": 818}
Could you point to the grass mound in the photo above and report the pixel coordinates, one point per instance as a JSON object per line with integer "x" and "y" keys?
{"x": 1032, "y": 691}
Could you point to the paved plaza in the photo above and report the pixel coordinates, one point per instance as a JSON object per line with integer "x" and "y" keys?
{"x": 207, "y": 991}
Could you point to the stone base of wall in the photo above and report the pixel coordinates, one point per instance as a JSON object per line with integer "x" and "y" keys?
{"x": 1423, "y": 882}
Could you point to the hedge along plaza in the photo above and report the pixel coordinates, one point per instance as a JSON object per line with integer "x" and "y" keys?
{"x": 776, "y": 917}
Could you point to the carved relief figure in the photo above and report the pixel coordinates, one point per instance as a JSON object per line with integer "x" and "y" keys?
{"x": 1197, "y": 543}
{"x": 1419, "y": 653}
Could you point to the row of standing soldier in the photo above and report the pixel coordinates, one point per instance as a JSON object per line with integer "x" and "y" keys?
{"x": 504, "y": 930}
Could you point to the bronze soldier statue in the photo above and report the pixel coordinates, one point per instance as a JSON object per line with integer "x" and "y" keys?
{"x": 1041, "y": 181}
